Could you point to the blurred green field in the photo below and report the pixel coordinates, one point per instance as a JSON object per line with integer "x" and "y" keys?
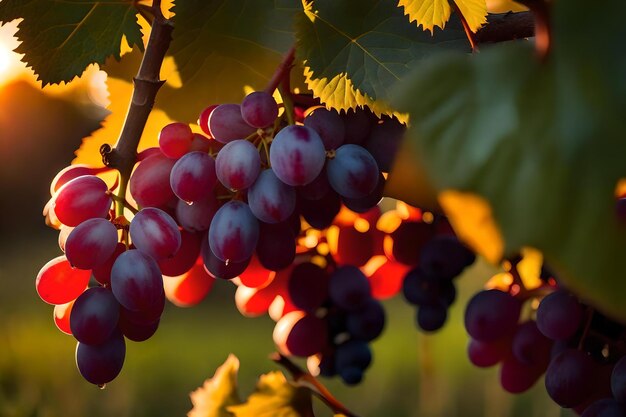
{"x": 412, "y": 375}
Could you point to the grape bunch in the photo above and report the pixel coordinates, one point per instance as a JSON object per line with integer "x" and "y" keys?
{"x": 580, "y": 351}
{"x": 252, "y": 200}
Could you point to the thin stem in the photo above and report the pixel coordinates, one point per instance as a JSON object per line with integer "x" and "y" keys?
{"x": 468, "y": 31}
{"x": 282, "y": 71}
{"x": 288, "y": 103}
{"x": 306, "y": 379}
{"x": 121, "y": 203}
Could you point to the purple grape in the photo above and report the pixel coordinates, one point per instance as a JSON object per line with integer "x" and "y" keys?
{"x": 94, "y": 316}
{"x": 349, "y": 288}
{"x": 516, "y": 377}
{"x": 259, "y": 109}
{"x": 186, "y": 256}
{"x": 193, "y": 176}
{"x": 238, "y": 164}
{"x": 276, "y": 248}
{"x": 150, "y": 182}
{"x": 368, "y": 322}
{"x": 358, "y": 124}
{"x": 316, "y": 189}
{"x": 136, "y": 281}
{"x": 137, "y": 332}
{"x": 570, "y": 378}
{"x": 384, "y": 142}
{"x": 220, "y": 269}
{"x": 352, "y": 354}
{"x": 226, "y": 123}
{"x": 351, "y": 375}
{"x": 197, "y": 216}
{"x": 445, "y": 256}
{"x": 607, "y": 407}
{"x": 432, "y": 317}
{"x": 297, "y": 155}
{"x": 353, "y": 172}
{"x": 91, "y": 243}
{"x": 270, "y": 199}
{"x": 155, "y": 233}
{"x": 308, "y": 286}
{"x": 100, "y": 364}
{"x": 530, "y": 346}
{"x": 486, "y": 354}
{"x": 328, "y": 125}
{"x": 364, "y": 204}
{"x": 144, "y": 317}
{"x": 618, "y": 380}
{"x": 321, "y": 213}
{"x": 234, "y": 232}
{"x": 559, "y": 315}
{"x": 491, "y": 315}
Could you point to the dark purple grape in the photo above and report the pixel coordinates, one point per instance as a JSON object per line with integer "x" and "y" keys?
{"x": 432, "y": 317}
{"x": 409, "y": 239}
{"x": 516, "y": 377}
{"x": 422, "y": 288}
{"x": 100, "y": 364}
{"x": 185, "y": 257}
{"x": 349, "y": 288}
{"x": 607, "y": 407}
{"x": 491, "y": 314}
{"x": 276, "y": 248}
{"x": 530, "y": 346}
{"x": 218, "y": 268}
{"x": 144, "y": 317}
{"x": 94, "y": 316}
{"x": 364, "y": 204}
{"x": 316, "y": 189}
{"x": 270, "y": 199}
{"x": 358, "y": 124}
{"x": 321, "y": 213}
{"x": 559, "y": 315}
{"x": 368, "y": 322}
{"x": 486, "y": 354}
{"x": 226, "y": 123}
{"x": 197, "y": 216}
{"x": 308, "y": 286}
{"x": 570, "y": 378}
{"x": 300, "y": 334}
{"x": 259, "y": 109}
{"x": 384, "y": 142}
{"x": 234, "y": 232}
{"x": 351, "y": 375}
{"x": 353, "y": 172}
{"x": 618, "y": 380}
{"x": 297, "y": 155}
{"x": 352, "y": 354}
{"x": 136, "y": 281}
{"x": 445, "y": 256}
{"x": 137, "y": 332}
{"x": 328, "y": 125}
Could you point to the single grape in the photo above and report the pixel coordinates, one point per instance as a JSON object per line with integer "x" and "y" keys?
{"x": 530, "y": 346}
{"x": 234, "y": 232}
{"x": 238, "y": 164}
{"x": 218, "y": 268}
{"x": 137, "y": 332}
{"x": 136, "y": 281}
{"x": 316, "y": 189}
{"x": 193, "y": 176}
{"x": 570, "y": 378}
{"x": 486, "y": 354}
{"x": 82, "y": 198}
{"x": 91, "y": 243}
{"x": 328, "y": 125}
{"x": 259, "y": 109}
{"x": 364, "y": 204}
{"x": 150, "y": 181}
{"x": 201, "y": 143}
{"x": 353, "y": 172}
{"x": 155, "y": 233}
{"x": 300, "y": 334}
{"x": 276, "y": 248}
{"x": 368, "y": 322}
{"x": 102, "y": 273}
{"x": 559, "y": 315}
{"x": 146, "y": 316}
{"x": 408, "y": 240}
{"x": 61, "y": 317}
{"x": 64, "y": 232}
{"x": 226, "y": 124}
{"x": 100, "y": 364}
{"x": 321, "y": 213}
{"x": 423, "y": 288}
{"x": 270, "y": 199}
{"x": 197, "y": 216}
{"x": 175, "y": 140}
{"x": 74, "y": 171}
{"x": 58, "y": 283}
{"x": 351, "y": 375}
{"x": 308, "y": 286}
{"x": 352, "y": 354}
{"x": 297, "y": 155}
{"x": 491, "y": 314}
{"x": 94, "y": 316}
{"x": 618, "y": 380}
{"x": 384, "y": 142}
{"x": 349, "y": 288}
{"x": 203, "y": 119}
{"x": 445, "y": 256}
{"x": 185, "y": 257}
{"x": 432, "y": 317}
{"x": 607, "y": 407}
{"x": 516, "y": 377}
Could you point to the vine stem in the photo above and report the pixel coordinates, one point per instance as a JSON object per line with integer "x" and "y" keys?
{"x": 304, "y": 378}
{"x": 471, "y": 37}
{"x": 146, "y": 84}
{"x": 282, "y": 71}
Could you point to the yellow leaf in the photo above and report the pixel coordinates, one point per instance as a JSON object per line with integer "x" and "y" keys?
{"x": 472, "y": 219}
{"x": 431, "y": 13}
{"x": 275, "y": 396}
{"x": 218, "y": 393}
{"x": 340, "y": 94}
{"x": 503, "y": 6}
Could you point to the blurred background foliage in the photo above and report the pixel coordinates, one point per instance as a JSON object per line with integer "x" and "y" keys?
{"x": 413, "y": 374}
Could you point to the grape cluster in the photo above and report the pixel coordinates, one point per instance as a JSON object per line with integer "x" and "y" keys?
{"x": 580, "y": 350}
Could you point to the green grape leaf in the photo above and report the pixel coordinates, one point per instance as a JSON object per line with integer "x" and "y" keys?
{"x": 356, "y": 50}
{"x": 221, "y": 46}
{"x": 541, "y": 143}
{"x": 218, "y": 393}
{"x": 275, "y": 396}
{"x": 61, "y": 38}
{"x": 431, "y": 13}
